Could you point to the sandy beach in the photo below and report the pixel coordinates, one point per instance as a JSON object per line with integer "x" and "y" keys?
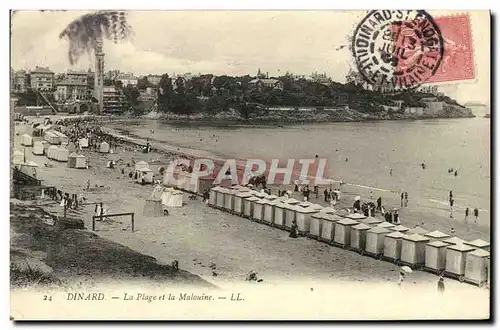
{"x": 197, "y": 235}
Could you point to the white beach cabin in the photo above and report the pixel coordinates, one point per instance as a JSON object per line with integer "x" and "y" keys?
{"x": 26, "y": 140}
{"x": 258, "y": 210}
{"x": 392, "y": 246}
{"x": 269, "y": 212}
{"x": 72, "y": 160}
{"x": 229, "y": 199}
{"x": 303, "y": 219}
{"x": 248, "y": 205}
{"x": 220, "y": 194}
{"x": 413, "y": 250}
{"x": 239, "y": 198}
{"x": 39, "y": 147}
{"x": 435, "y": 256}
{"x": 375, "y": 241}
{"x": 456, "y": 257}
{"x": 279, "y": 214}
{"x": 62, "y": 154}
{"x": 476, "y": 267}
{"x": 83, "y": 143}
{"x": 18, "y": 157}
{"x": 316, "y": 225}
{"x": 342, "y": 235}
{"x": 358, "y": 237}
{"x": 29, "y": 168}
{"x": 104, "y": 147}
{"x": 81, "y": 162}
{"x": 172, "y": 198}
{"x": 212, "y": 197}
{"x": 328, "y": 227}
{"x": 52, "y": 152}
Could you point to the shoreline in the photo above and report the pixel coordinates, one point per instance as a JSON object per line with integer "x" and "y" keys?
{"x": 172, "y": 237}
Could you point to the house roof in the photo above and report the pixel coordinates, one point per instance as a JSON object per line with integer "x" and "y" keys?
{"x": 437, "y": 234}
{"x": 478, "y": 243}
{"x": 71, "y": 83}
{"x": 361, "y": 226}
{"x": 437, "y": 244}
{"x": 416, "y": 238}
{"x": 396, "y": 234}
{"x": 41, "y": 70}
{"x": 265, "y": 81}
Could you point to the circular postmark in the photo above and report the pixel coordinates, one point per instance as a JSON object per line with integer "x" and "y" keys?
{"x": 397, "y": 50}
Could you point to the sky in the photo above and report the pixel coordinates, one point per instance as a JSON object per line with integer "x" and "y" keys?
{"x": 224, "y": 42}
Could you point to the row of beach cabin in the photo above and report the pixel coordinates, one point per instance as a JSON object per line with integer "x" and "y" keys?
{"x": 435, "y": 251}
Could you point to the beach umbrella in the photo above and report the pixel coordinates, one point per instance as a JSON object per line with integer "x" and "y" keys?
{"x": 357, "y": 198}
{"x": 407, "y": 269}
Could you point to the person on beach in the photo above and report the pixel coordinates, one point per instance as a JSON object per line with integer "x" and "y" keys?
{"x": 451, "y": 194}
{"x": 452, "y": 201}
{"x": 396, "y": 219}
{"x": 371, "y": 194}
{"x": 406, "y": 199}
{"x": 296, "y": 189}
{"x": 456, "y": 173}
{"x": 466, "y": 214}
{"x": 402, "y": 198}
{"x": 316, "y": 191}
{"x": 440, "y": 286}
{"x": 452, "y": 231}
{"x": 476, "y": 213}
{"x": 401, "y": 278}
{"x": 326, "y": 195}
{"x": 379, "y": 204}
{"x": 295, "y": 230}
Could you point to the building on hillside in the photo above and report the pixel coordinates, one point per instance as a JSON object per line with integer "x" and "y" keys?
{"x": 42, "y": 79}
{"x": 127, "y": 79}
{"x": 260, "y": 84}
{"x": 68, "y": 90}
{"x": 321, "y": 78}
{"x": 154, "y": 79}
{"x": 113, "y": 100}
{"x": 112, "y": 74}
{"x": 20, "y": 81}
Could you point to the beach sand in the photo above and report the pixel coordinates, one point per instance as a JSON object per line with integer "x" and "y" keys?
{"x": 197, "y": 235}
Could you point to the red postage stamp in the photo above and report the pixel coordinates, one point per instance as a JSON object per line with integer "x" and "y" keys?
{"x": 458, "y": 58}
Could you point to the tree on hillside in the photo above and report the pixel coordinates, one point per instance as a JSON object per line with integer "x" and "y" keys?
{"x": 143, "y": 83}
{"x": 165, "y": 92}
{"x": 131, "y": 94}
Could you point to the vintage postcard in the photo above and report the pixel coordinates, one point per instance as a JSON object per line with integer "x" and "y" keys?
{"x": 250, "y": 165}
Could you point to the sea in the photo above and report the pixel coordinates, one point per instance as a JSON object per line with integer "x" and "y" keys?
{"x": 360, "y": 153}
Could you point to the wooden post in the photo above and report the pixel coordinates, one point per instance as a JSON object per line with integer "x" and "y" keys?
{"x": 93, "y": 223}
{"x": 102, "y": 211}
{"x": 65, "y": 207}
{"x": 132, "y": 222}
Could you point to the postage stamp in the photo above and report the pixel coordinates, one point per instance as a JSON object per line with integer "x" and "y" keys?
{"x": 458, "y": 57}
{"x": 397, "y": 49}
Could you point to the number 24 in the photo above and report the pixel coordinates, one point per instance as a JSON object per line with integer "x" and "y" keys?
{"x": 48, "y": 298}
